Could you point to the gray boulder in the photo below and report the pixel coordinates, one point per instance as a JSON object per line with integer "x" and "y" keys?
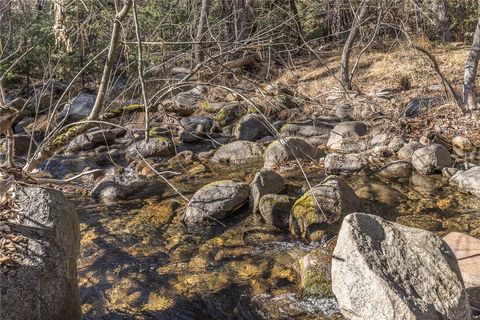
{"x": 344, "y": 163}
{"x": 468, "y": 181}
{"x": 185, "y": 103}
{"x": 315, "y": 132}
{"x": 265, "y": 182}
{"x": 280, "y": 152}
{"x": 239, "y": 152}
{"x": 78, "y": 108}
{"x": 215, "y": 201}
{"x": 275, "y": 210}
{"x": 155, "y": 147}
{"x": 91, "y": 140}
{"x": 251, "y": 127}
{"x": 406, "y": 152}
{"x": 385, "y": 271}
{"x": 396, "y": 170}
{"x": 195, "y": 129}
{"x": 321, "y": 207}
{"x": 119, "y": 186}
{"x": 431, "y": 159}
{"x": 348, "y": 137}
{"x": 43, "y": 282}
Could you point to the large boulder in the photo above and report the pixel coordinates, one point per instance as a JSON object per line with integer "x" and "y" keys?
{"x": 215, "y": 201}
{"x": 119, "y": 186}
{"x": 239, "y": 152}
{"x": 265, "y": 182}
{"x": 348, "y": 137}
{"x": 230, "y": 113}
{"x": 251, "y": 127}
{"x": 289, "y": 149}
{"x": 321, "y": 207}
{"x": 431, "y": 159}
{"x": 385, "y": 271}
{"x": 468, "y": 181}
{"x": 78, "y": 108}
{"x": 38, "y": 279}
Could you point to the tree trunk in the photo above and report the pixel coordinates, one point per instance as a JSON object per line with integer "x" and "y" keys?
{"x": 354, "y": 31}
{"x": 298, "y": 24}
{"x": 202, "y": 25}
{"x": 60, "y": 26}
{"x": 245, "y": 17}
{"x": 107, "y": 70}
{"x": 442, "y": 20}
{"x": 469, "y": 96}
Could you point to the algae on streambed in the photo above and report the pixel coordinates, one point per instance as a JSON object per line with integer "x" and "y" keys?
{"x": 138, "y": 261}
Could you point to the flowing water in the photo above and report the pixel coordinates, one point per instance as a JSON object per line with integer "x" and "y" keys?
{"x": 139, "y": 262}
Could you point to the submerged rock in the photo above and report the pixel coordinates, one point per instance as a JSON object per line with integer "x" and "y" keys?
{"x": 468, "y": 181}
{"x": 348, "y": 137}
{"x": 239, "y": 152}
{"x": 275, "y": 210}
{"x": 265, "y": 182}
{"x": 382, "y": 270}
{"x": 316, "y": 275}
{"x": 43, "y": 283}
{"x": 215, "y": 201}
{"x": 280, "y": 152}
{"x": 431, "y": 159}
{"x": 322, "y": 206}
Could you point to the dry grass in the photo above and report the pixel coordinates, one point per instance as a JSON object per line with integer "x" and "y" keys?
{"x": 389, "y": 70}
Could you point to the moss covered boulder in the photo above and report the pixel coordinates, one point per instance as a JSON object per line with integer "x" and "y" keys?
{"x": 322, "y": 207}
{"x": 315, "y": 274}
{"x": 275, "y": 210}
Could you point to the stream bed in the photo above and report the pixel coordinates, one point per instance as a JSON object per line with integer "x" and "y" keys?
{"x": 138, "y": 261}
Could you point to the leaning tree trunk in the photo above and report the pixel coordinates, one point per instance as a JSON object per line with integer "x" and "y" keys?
{"x": 347, "y": 48}
{"x": 469, "y": 96}
{"x": 442, "y": 20}
{"x": 107, "y": 70}
{"x": 202, "y": 25}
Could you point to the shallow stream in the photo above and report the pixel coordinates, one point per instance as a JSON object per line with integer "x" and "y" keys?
{"x": 139, "y": 262}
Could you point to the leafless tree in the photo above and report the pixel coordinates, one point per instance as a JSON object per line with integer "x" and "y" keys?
{"x": 347, "y": 48}
{"x": 469, "y": 96}
{"x": 202, "y": 25}
{"x": 107, "y": 70}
